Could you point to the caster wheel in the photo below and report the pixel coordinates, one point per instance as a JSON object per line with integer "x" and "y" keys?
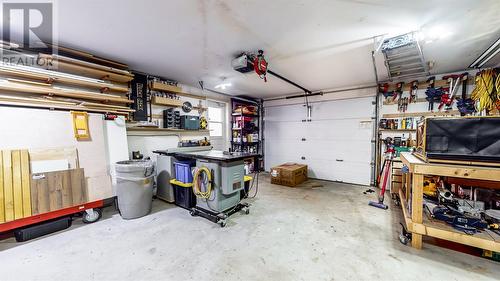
{"x": 247, "y": 211}
{"x": 91, "y": 216}
{"x": 222, "y": 223}
{"x": 403, "y": 239}
{"x": 192, "y": 213}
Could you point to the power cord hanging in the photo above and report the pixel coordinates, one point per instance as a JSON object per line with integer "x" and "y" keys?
{"x": 205, "y": 175}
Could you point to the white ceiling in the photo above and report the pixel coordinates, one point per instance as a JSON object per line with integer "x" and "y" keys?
{"x": 318, "y": 44}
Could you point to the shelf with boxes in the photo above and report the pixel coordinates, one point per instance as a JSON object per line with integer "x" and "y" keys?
{"x": 245, "y": 126}
{"x": 164, "y": 105}
{"x": 246, "y": 132}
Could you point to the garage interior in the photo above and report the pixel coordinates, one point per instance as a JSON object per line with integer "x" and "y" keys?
{"x": 244, "y": 140}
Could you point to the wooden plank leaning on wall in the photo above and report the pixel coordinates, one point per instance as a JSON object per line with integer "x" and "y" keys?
{"x": 15, "y": 194}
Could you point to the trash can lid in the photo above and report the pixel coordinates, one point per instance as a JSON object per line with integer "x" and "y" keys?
{"x": 133, "y": 165}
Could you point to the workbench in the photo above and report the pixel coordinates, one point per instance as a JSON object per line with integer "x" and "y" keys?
{"x": 411, "y": 197}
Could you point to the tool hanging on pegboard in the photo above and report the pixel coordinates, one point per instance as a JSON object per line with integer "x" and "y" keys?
{"x": 448, "y": 97}
{"x": 413, "y": 91}
{"x": 465, "y": 105}
{"x": 433, "y": 94}
{"x": 384, "y": 90}
{"x": 403, "y": 104}
{"x": 398, "y": 92}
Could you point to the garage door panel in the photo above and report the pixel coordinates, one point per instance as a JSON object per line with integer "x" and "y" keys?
{"x": 350, "y": 108}
{"x": 291, "y": 148}
{"x": 284, "y": 130}
{"x": 355, "y": 151}
{"x": 342, "y": 172}
{"x": 337, "y": 130}
{"x": 337, "y": 143}
{"x": 285, "y": 113}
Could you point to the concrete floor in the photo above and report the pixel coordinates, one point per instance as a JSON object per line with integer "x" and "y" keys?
{"x": 306, "y": 233}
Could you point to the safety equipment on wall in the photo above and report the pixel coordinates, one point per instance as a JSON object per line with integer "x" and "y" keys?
{"x": 203, "y": 123}
{"x": 202, "y": 177}
{"x": 260, "y": 65}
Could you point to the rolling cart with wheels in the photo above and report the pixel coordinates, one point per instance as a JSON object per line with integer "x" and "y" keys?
{"x": 91, "y": 212}
{"x": 219, "y": 217}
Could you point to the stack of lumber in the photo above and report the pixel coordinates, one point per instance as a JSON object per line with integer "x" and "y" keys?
{"x": 24, "y": 192}
{"x": 15, "y": 193}
{"x": 81, "y": 82}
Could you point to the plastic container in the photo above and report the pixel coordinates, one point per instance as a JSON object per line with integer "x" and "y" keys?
{"x": 183, "y": 171}
{"x": 246, "y": 189}
{"x": 184, "y": 196}
{"x": 134, "y": 187}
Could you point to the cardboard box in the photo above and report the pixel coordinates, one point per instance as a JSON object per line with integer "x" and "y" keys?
{"x": 289, "y": 174}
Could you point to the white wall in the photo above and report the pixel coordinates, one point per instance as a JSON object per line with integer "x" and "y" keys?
{"x": 25, "y": 128}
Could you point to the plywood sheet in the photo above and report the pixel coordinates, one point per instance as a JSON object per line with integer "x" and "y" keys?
{"x": 43, "y": 166}
{"x": 68, "y": 154}
{"x": 57, "y": 190}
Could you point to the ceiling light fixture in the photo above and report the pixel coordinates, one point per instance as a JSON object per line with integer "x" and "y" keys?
{"x": 429, "y": 35}
{"x": 486, "y": 55}
{"x": 222, "y": 86}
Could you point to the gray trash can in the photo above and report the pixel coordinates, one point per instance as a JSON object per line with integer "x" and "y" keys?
{"x": 134, "y": 187}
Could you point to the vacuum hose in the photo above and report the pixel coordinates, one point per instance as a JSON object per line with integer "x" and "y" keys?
{"x": 202, "y": 176}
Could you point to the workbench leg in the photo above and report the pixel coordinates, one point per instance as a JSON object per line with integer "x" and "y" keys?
{"x": 417, "y": 207}
{"x": 407, "y": 187}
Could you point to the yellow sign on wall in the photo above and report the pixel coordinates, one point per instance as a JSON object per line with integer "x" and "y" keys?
{"x": 81, "y": 125}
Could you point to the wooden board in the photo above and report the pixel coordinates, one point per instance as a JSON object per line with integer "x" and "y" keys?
{"x": 90, "y": 57}
{"x": 26, "y": 183}
{"x": 7, "y": 185}
{"x": 157, "y": 86}
{"x": 17, "y": 191}
{"x": 391, "y": 102}
{"x": 61, "y": 107}
{"x": 15, "y": 197}
{"x": 89, "y": 72}
{"x": 421, "y": 114}
{"x": 79, "y": 62}
{"x": 2, "y": 203}
{"x": 55, "y": 76}
{"x": 39, "y": 195}
{"x": 424, "y": 84}
{"x": 20, "y": 86}
{"x": 68, "y": 153}
{"x": 156, "y": 100}
{"x": 57, "y": 190}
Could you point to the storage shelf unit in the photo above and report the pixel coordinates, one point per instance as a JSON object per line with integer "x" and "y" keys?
{"x": 240, "y": 132}
{"x": 398, "y": 130}
{"x": 153, "y": 131}
{"x": 162, "y": 87}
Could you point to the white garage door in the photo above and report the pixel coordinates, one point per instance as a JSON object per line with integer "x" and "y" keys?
{"x": 336, "y": 144}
